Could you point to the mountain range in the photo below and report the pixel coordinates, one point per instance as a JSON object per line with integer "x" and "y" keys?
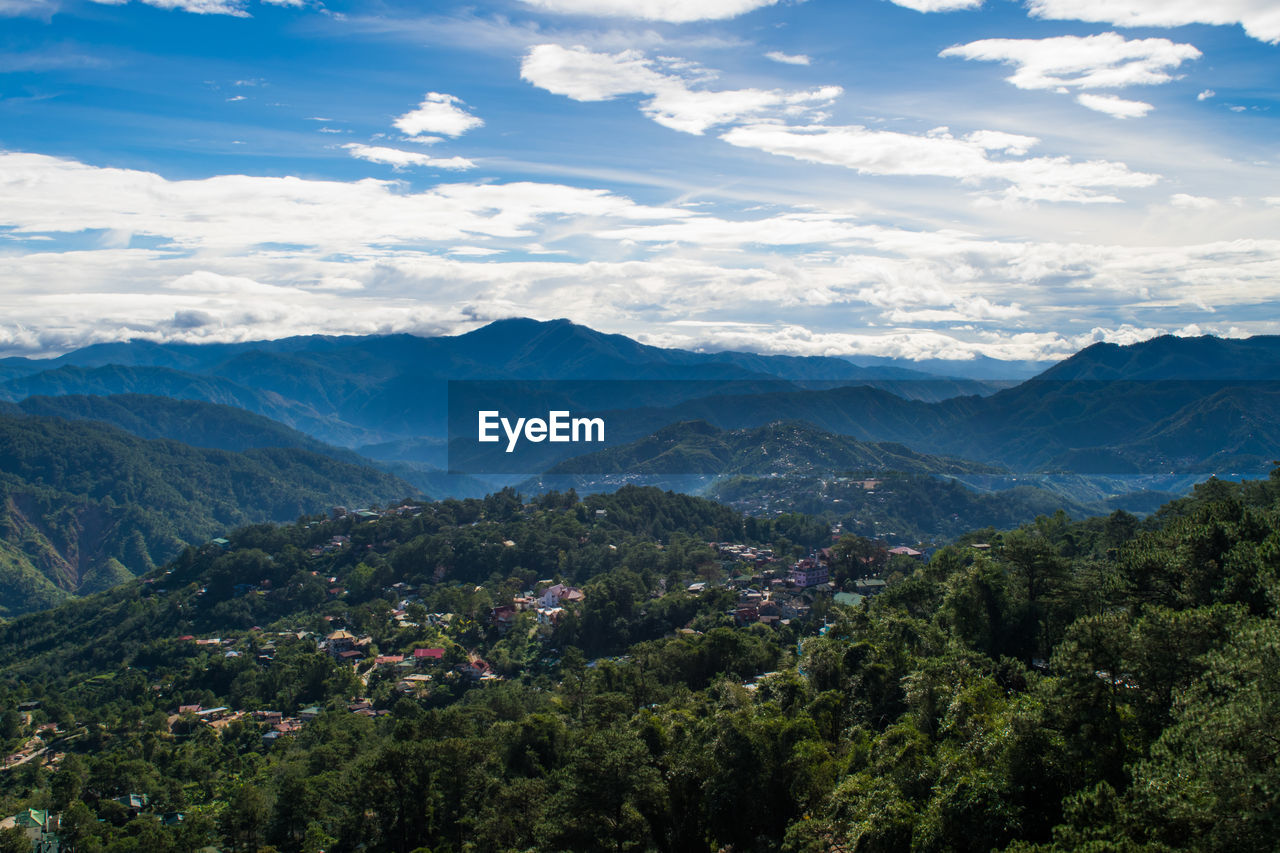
{"x": 371, "y": 390}
{"x": 114, "y": 456}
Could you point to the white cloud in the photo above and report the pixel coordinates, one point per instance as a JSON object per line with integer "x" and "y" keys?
{"x": 1260, "y": 18}
{"x": 398, "y": 159}
{"x": 1193, "y": 202}
{"x": 938, "y": 5}
{"x": 882, "y": 152}
{"x": 1205, "y": 95}
{"x": 238, "y": 257}
{"x": 1113, "y": 106}
{"x": 996, "y": 140}
{"x": 235, "y": 8}
{"x": 1104, "y": 61}
{"x": 438, "y": 113}
{"x": 671, "y": 11}
{"x": 755, "y": 118}
{"x": 586, "y": 75}
{"x": 24, "y": 8}
{"x": 787, "y": 58}
{"x": 41, "y": 194}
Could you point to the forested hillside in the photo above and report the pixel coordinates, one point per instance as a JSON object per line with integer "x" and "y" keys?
{"x": 84, "y": 505}
{"x": 1107, "y": 684}
{"x": 782, "y": 448}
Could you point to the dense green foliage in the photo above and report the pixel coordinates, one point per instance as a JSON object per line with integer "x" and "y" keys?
{"x": 193, "y": 422}
{"x": 780, "y": 448}
{"x": 84, "y": 505}
{"x": 910, "y": 508}
{"x": 1109, "y": 684}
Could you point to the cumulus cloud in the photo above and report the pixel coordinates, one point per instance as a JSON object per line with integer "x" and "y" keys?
{"x": 438, "y": 113}
{"x": 1113, "y": 106}
{"x": 398, "y": 159}
{"x": 787, "y": 58}
{"x": 671, "y": 11}
{"x": 674, "y": 102}
{"x": 1205, "y": 95}
{"x": 1260, "y": 18}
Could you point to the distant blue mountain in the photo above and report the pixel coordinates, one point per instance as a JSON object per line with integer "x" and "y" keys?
{"x": 367, "y": 390}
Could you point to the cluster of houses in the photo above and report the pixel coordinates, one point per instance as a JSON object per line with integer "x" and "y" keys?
{"x": 336, "y": 543}
{"x": 743, "y": 553}
{"x": 549, "y": 605}
{"x": 771, "y": 596}
{"x": 275, "y": 724}
{"x": 41, "y": 826}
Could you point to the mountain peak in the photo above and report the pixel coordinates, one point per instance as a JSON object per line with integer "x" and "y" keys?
{"x": 1169, "y": 357}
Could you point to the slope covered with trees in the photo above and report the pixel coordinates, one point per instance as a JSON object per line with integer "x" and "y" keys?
{"x": 84, "y": 505}
{"x": 780, "y": 448}
{"x": 1107, "y": 684}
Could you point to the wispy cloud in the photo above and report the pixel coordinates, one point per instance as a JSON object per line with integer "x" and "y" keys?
{"x": 399, "y": 159}
{"x": 235, "y": 8}
{"x": 671, "y": 11}
{"x": 1260, "y": 18}
{"x": 787, "y": 58}
{"x": 1113, "y": 106}
{"x": 1104, "y": 61}
{"x": 1063, "y": 63}
{"x": 677, "y": 95}
{"x": 938, "y": 5}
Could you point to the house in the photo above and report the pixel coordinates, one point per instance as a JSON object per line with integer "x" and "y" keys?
{"x": 426, "y": 655}
{"x": 904, "y": 551}
{"x": 133, "y": 803}
{"x": 340, "y": 641}
{"x": 809, "y": 572}
{"x": 549, "y": 616}
{"x": 503, "y": 616}
{"x": 561, "y": 594}
{"x": 38, "y": 825}
{"x": 476, "y": 668}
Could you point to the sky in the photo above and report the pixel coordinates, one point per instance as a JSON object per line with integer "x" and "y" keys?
{"x": 914, "y": 179}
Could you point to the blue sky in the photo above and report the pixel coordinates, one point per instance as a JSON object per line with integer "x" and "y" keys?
{"x": 916, "y": 178}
